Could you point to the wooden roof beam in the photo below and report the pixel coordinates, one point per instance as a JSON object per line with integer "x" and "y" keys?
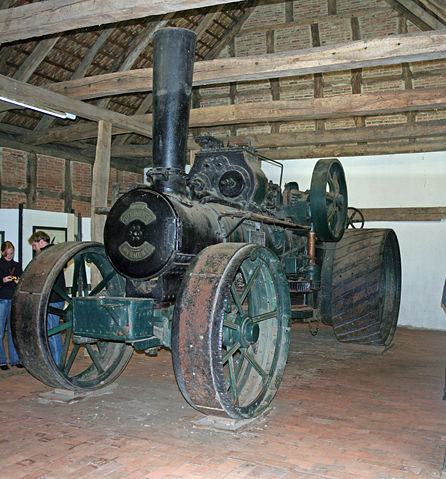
{"x": 40, "y": 97}
{"x": 346, "y": 56}
{"x": 341, "y": 106}
{"x": 422, "y": 130}
{"x": 361, "y": 149}
{"x": 364, "y": 104}
{"x": 437, "y": 7}
{"x": 55, "y": 16}
{"x": 425, "y": 129}
{"x": 417, "y": 13}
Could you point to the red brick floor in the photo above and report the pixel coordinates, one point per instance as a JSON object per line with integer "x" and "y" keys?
{"x": 341, "y": 412}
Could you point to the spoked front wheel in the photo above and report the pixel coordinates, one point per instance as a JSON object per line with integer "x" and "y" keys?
{"x": 230, "y": 333}
{"x": 42, "y": 318}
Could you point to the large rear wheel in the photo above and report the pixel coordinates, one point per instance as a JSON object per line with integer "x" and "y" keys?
{"x": 361, "y": 286}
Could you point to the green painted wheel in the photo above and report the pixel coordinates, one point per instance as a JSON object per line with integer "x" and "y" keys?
{"x": 328, "y": 200}
{"x": 83, "y": 365}
{"x": 231, "y": 332}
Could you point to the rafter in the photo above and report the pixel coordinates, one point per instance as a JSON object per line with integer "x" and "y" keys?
{"x": 230, "y": 34}
{"x": 131, "y": 54}
{"x": 423, "y": 22}
{"x": 418, "y": 12}
{"x": 46, "y": 121}
{"x": 29, "y": 66}
{"x": 437, "y": 7}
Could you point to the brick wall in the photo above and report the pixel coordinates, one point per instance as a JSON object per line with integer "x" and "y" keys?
{"x": 270, "y": 29}
{"x": 49, "y": 175}
{"x": 14, "y": 168}
{"x": 49, "y": 182}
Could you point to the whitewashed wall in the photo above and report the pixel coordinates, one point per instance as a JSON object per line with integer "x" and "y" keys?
{"x": 416, "y": 180}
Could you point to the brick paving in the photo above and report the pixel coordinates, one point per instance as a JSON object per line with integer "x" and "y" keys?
{"x": 341, "y": 412}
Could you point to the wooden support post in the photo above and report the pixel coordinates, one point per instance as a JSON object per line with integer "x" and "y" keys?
{"x": 274, "y": 82}
{"x": 31, "y": 181}
{"x": 318, "y": 81}
{"x": 232, "y": 85}
{"x": 356, "y": 73}
{"x": 68, "y": 196}
{"x": 407, "y": 72}
{"x": 100, "y": 179}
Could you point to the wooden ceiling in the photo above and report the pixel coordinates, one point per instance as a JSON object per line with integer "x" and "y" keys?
{"x": 93, "y": 59}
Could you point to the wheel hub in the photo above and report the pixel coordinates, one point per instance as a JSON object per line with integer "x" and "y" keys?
{"x": 243, "y": 331}
{"x": 250, "y": 332}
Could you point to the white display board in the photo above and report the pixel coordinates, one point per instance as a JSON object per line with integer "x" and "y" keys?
{"x": 59, "y": 226}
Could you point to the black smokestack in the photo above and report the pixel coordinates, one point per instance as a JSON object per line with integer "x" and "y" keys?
{"x": 173, "y": 64}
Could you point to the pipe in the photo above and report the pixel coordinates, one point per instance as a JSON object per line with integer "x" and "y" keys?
{"x": 173, "y": 63}
{"x": 312, "y": 247}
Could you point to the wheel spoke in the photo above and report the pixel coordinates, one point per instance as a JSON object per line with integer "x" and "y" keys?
{"x": 236, "y": 299}
{"x": 229, "y": 324}
{"x": 101, "y": 285}
{"x": 240, "y": 363}
{"x": 56, "y": 311}
{"x": 232, "y": 378}
{"x": 250, "y": 283}
{"x": 256, "y": 366}
{"x": 66, "y": 345}
{"x": 94, "y": 358}
{"x": 230, "y": 352}
{"x": 334, "y": 175}
{"x": 331, "y": 183}
{"x": 61, "y": 293}
{"x": 334, "y": 221}
{"x": 330, "y": 211}
{"x": 71, "y": 359}
{"x": 75, "y": 285}
{"x": 84, "y": 282}
{"x": 60, "y": 328}
{"x": 264, "y": 316}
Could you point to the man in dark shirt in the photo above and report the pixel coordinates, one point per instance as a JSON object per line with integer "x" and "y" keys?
{"x": 39, "y": 242}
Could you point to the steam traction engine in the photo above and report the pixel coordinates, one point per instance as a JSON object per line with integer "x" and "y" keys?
{"x": 212, "y": 265}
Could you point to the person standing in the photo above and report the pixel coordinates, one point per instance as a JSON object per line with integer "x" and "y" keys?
{"x": 40, "y": 241}
{"x": 10, "y": 272}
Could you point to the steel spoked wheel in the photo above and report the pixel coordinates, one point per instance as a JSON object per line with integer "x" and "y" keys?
{"x": 328, "y": 200}
{"x": 230, "y": 335}
{"x": 42, "y": 318}
{"x": 355, "y": 218}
